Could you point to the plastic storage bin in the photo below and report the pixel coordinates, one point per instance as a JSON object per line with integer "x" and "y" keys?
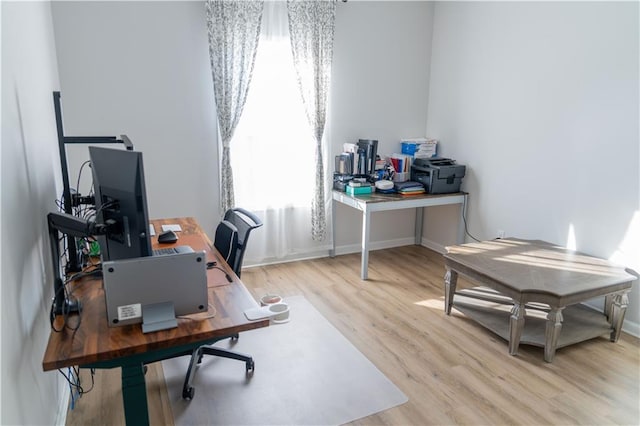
{"x": 401, "y": 177}
{"x": 419, "y": 147}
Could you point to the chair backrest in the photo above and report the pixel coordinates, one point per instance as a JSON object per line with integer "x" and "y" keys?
{"x": 226, "y": 241}
{"x": 245, "y": 222}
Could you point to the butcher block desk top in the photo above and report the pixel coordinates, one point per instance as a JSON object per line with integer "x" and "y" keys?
{"x": 93, "y": 344}
{"x": 95, "y": 341}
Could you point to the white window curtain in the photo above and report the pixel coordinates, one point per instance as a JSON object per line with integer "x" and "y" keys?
{"x": 311, "y": 28}
{"x": 234, "y": 27}
{"x": 273, "y": 155}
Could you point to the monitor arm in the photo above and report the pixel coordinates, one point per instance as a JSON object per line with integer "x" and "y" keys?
{"x": 73, "y": 227}
{"x": 69, "y": 200}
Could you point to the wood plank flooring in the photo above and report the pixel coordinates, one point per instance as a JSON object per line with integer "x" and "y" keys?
{"x": 453, "y": 370}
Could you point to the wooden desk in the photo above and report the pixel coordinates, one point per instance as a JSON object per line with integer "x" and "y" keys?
{"x": 534, "y": 279}
{"x": 377, "y": 202}
{"x": 95, "y": 345}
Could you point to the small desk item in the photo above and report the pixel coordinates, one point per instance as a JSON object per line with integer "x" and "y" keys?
{"x": 96, "y": 345}
{"x": 175, "y": 227}
{"x": 376, "y": 202}
{"x": 534, "y": 279}
{"x": 167, "y": 237}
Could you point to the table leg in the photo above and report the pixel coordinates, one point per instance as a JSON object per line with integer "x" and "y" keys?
{"x": 366, "y": 217}
{"x": 461, "y": 227}
{"x": 516, "y": 325}
{"x": 418, "y": 227}
{"x": 608, "y": 303}
{"x": 551, "y": 333}
{"x": 134, "y": 395}
{"x": 619, "y": 308}
{"x": 332, "y": 250}
{"x": 450, "y": 282}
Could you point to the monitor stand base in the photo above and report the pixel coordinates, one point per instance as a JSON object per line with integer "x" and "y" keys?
{"x": 158, "y": 316}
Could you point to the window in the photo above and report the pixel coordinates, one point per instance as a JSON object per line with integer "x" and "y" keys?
{"x": 272, "y": 150}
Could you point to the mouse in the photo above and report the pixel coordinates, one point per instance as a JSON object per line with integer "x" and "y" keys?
{"x": 167, "y": 237}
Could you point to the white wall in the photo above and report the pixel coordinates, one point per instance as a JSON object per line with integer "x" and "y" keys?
{"x": 142, "y": 69}
{"x": 540, "y": 101}
{"x": 379, "y": 90}
{"x": 529, "y": 96}
{"x": 30, "y": 179}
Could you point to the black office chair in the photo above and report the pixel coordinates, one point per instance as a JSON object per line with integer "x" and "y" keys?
{"x": 230, "y": 240}
{"x": 245, "y": 222}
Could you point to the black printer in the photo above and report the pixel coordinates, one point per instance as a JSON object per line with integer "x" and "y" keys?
{"x": 438, "y": 175}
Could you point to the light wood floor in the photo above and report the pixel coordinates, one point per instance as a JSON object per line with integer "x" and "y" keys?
{"x": 452, "y": 370}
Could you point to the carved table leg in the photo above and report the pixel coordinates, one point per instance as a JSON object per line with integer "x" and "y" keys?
{"x": 450, "y": 282}
{"x": 552, "y": 331}
{"x": 619, "y": 308}
{"x": 516, "y": 325}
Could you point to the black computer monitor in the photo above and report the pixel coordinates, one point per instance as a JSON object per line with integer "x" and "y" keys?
{"x": 121, "y": 202}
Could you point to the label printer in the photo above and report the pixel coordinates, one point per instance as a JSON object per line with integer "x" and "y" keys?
{"x": 438, "y": 175}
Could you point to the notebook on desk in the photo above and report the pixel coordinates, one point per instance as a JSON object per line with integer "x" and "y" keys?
{"x": 177, "y": 281}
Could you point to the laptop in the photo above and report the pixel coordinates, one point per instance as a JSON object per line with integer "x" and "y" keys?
{"x": 154, "y": 290}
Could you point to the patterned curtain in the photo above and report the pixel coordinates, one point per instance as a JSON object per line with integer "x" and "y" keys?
{"x": 311, "y": 28}
{"x": 234, "y": 30}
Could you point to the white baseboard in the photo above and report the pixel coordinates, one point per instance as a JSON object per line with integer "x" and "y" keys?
{"x": 314, "y": 253}
{"x": 63, "y": 403}
{"x": 324, "y": 252}
{"x": 437, "y": 247}
{"x": 632, "y": 328}
{"x": 375, "y": 245}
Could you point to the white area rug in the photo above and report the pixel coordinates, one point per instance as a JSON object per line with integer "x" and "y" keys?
{"x": 306, "y": 373}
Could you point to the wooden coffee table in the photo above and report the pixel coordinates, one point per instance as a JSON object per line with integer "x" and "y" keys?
{"x": 541, "y": 282}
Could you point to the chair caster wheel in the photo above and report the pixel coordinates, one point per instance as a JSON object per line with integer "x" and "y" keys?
{"x": 187, "y": 393}
{"x": 250, "y": 366}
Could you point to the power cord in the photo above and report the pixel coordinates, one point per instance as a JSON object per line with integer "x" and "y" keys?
{"x": 68, "y": 295}
{"x": 190, "y": 318}
{"x": 213, "y": 265}
{"x": 464, "y": 220}
{"x": 75, "y": 383}
{"x": 80, "y": 175}
{"x": 65, "y": 313}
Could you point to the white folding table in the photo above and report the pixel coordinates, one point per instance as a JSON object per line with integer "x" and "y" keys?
{"x": 377, "y": 202}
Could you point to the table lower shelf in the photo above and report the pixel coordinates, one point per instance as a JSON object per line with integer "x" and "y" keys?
{"x": 493, "y": 310}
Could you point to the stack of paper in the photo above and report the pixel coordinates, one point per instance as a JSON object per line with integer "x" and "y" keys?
{"x": 409, "y": 188}
{"x": 427, "y": 149}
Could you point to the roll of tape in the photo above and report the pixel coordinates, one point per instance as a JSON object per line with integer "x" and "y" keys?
{"x": 270, "y": 299}
{"x": 280, "y": 312}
